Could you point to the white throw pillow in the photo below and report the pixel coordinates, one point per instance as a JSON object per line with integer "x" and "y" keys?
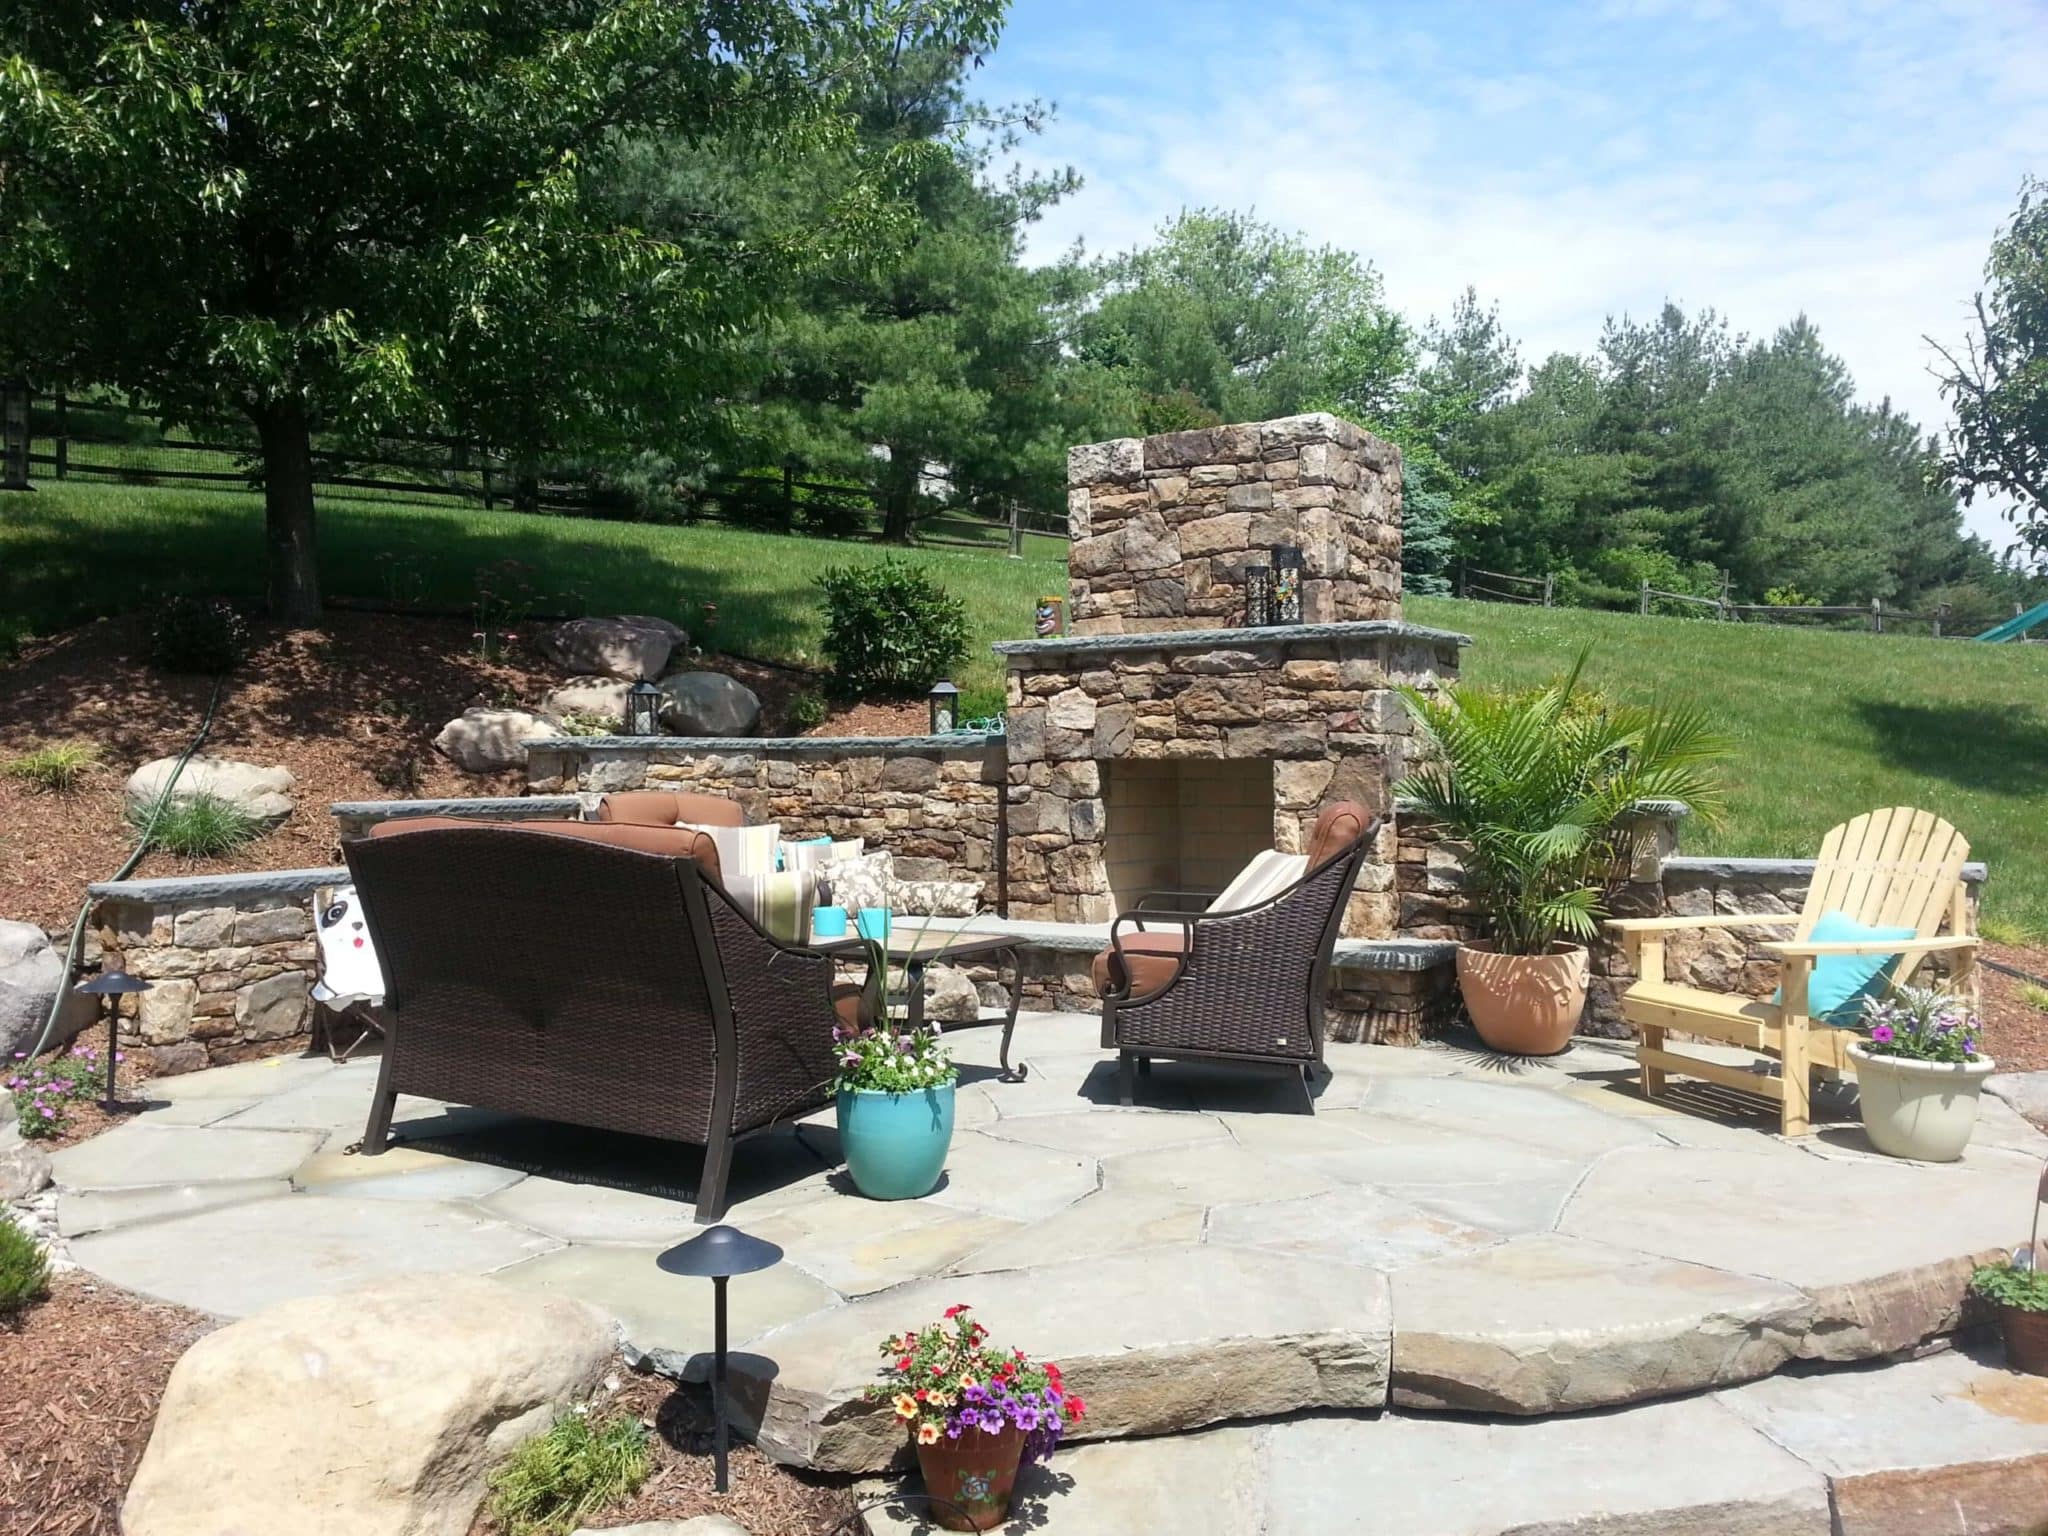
{"x": 1266, "y": 876}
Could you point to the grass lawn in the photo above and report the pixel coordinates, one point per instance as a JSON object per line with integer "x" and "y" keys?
{"x": 1825, "y": 724}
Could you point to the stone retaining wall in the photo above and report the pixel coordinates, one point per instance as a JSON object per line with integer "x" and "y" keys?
{"x": 932, "y": 801}
{"x": 231, "y": 958}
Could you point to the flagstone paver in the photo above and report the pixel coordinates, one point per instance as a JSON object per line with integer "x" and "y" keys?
{"x": 142, "y": 1154}
{"x": 1547, "y": 1322}
{"x": 1449, "y": 1229}
{"x": 238, "y": 1259}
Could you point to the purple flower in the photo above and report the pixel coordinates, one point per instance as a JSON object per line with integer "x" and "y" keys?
{"x": 850, "y": 1059}
{"x": 1881, "y": 1033}
{"x": 1027, "y": 1419}
{"x": 905, "y": 1044}
{"x": 48, "y": 1113}
{"x": 953, "y": 1430}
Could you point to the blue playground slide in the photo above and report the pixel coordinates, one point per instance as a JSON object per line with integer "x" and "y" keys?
{"x": 2013, "y": 628}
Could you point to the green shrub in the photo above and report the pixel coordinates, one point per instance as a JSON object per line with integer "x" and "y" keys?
{"x": 583, "y": 722}
{"x": 981, "y": 701}
{"x": 54, "y": 770}
{"x": 24, "y": 1269}
{"x": 889, "y": 629}
{"x": 197, "y": 634}
{"x": 2004, "y": 1286}
{"x": 580, "y": 1467}
{"x": 201, "y": 827}
{"x": 808, "y": 710}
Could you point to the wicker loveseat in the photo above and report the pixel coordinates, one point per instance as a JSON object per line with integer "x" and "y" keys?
{"x": 592, "y": 974}
{"x": 1242, "y": 986}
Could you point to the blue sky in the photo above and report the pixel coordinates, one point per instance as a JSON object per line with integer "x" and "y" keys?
{"x": 1847, "y": 158}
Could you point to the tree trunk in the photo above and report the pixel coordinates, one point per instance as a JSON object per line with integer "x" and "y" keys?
{"x": 293, "y": 565}
{"x": 899, "y": 496}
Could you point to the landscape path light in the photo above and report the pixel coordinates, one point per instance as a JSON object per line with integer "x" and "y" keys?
{"x": 717, "y": 1254}
{"x": 113, "y": 986}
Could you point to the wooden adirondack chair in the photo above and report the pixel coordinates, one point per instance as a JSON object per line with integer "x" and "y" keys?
{"x": 1896, "y": 867}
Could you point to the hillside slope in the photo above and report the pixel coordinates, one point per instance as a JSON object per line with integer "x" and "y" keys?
{"x": 1825, "y": 724}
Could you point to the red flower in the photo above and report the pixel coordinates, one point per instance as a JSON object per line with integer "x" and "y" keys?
{"x": 1052, "y": 1373}
{"x": 903, "y": 1364}
{"x": 955, "y": 1311}
{"x": 919, "y": 1394}
{"x": 1075, "y": 1407}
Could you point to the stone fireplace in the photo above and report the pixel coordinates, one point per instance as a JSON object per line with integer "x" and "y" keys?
{"x": 1162, "y": 743}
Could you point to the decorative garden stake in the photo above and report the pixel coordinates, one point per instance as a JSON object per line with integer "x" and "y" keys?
{"x": 643, "y": 709}
{"x": 113, "y": 986}
{"x": 717, "y": 1254}
{"x": 1286, "y": 599}
{"x": 1258, "y": 596}
{"x": 945, "y": 702}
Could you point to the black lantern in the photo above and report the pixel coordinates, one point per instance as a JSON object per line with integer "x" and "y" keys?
{"x": 1258, "y": 596}
{"x": 113, "y": 986}
{"x": 643, "y": 709}
{"x": 1286, "y": 585}
{"x": 945, "y": 701}
{"x": 717, "y": 1254}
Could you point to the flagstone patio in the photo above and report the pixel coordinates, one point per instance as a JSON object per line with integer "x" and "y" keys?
{"x": 1450, "y": 1231}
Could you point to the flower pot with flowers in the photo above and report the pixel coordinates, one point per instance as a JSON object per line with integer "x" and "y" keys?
{"x": 976, "y": 1414}
{"x": 1918, "y": 1073}
{"x": 895, "y": 1106}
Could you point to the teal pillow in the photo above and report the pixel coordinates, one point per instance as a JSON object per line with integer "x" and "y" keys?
{"x": 1839, "y": 983}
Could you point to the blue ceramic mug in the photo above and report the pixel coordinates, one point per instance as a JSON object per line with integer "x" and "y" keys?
{"x": 828, "y": 922}
{"x": 872, "y": 923}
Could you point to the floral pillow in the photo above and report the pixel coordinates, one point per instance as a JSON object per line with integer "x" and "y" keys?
{"x": 861, "y": 882}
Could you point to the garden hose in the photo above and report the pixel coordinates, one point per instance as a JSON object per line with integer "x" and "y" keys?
{"x": 163, "y": 799}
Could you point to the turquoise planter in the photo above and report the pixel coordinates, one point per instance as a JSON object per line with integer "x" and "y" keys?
{"x": 895, "y": 1143}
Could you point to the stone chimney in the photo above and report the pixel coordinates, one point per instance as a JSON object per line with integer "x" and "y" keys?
{"x": 1164, "y": 526}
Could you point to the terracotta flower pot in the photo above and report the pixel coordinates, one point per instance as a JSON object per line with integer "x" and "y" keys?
{"x": 2026, "y": 1339}
{"x": 1524, "y": 1005}
{"x": 972, "y": 1477}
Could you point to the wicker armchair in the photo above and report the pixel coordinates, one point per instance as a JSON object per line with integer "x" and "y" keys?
{"x": 550, "y": 972}
{"x": 1244, "y": 986}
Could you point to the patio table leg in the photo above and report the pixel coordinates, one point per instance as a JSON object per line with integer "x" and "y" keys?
{"x": 1018, "y": 1073}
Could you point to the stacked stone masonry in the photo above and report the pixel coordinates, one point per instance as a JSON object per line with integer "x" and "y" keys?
{"x": 229, "y": 980}
{"x": 1319, "y": 704}
{"x": 933, "y": 807}
{"x": 1163, "y": 527}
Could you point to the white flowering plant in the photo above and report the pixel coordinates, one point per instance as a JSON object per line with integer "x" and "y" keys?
{"x": 891, "y": 1059}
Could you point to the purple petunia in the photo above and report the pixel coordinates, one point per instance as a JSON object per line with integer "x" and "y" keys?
{"x": 1881, "y": 1033}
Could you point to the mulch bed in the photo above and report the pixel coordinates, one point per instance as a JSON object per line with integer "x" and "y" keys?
{"x": 2015, "y": 1030}
{"x": 764, "y": 1498}
{"x": 350, "y": 708}
{"x": 81, "y": 1374}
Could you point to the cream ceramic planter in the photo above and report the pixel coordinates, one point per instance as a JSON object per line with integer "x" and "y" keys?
{"x": 1924, "y": 1110}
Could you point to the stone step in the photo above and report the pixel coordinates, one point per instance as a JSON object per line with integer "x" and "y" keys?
{"x": 1948, "y": 1445}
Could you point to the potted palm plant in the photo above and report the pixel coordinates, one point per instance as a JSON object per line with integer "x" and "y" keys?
{"x": 1539, "y": 787}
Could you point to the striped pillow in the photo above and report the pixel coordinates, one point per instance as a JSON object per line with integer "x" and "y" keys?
{"x": 741, "y": 850}
{"x": 780, "y": 901}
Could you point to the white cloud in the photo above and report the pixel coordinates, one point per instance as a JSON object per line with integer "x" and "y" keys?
{"x": 1845, "y": 158}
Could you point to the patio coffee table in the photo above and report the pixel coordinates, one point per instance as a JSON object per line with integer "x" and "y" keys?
{"x": 915, "y": 951}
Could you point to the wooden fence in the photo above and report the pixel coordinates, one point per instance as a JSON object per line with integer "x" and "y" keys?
{"x": 1876, "y": 615}
{"x": 71, "y": 438}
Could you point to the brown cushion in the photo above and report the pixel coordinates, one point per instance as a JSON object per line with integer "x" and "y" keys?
{"x": 849, "y": 1001}
{"x": 1340, "y": 825}
{"x": 667, "y": 807}
{"x": 676, "y": 842}
{"x": 1151, "y": 959}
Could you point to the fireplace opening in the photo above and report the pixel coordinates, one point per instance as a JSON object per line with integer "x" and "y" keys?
{"x": 1183, "y": 825}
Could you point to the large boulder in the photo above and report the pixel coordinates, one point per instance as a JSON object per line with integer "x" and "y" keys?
{"x": 482, "y": 740}
{"x": 378, "y": 1413}
{"x": 950, "y": 996}
{"x": 31, "y": 975}
{"x": 605, "y": 696}
{"x": 631, "y": 648}
{"x": 709, "y": 704}
{"x": 264, "y": 793}
{"x": 24, "y": 1166}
